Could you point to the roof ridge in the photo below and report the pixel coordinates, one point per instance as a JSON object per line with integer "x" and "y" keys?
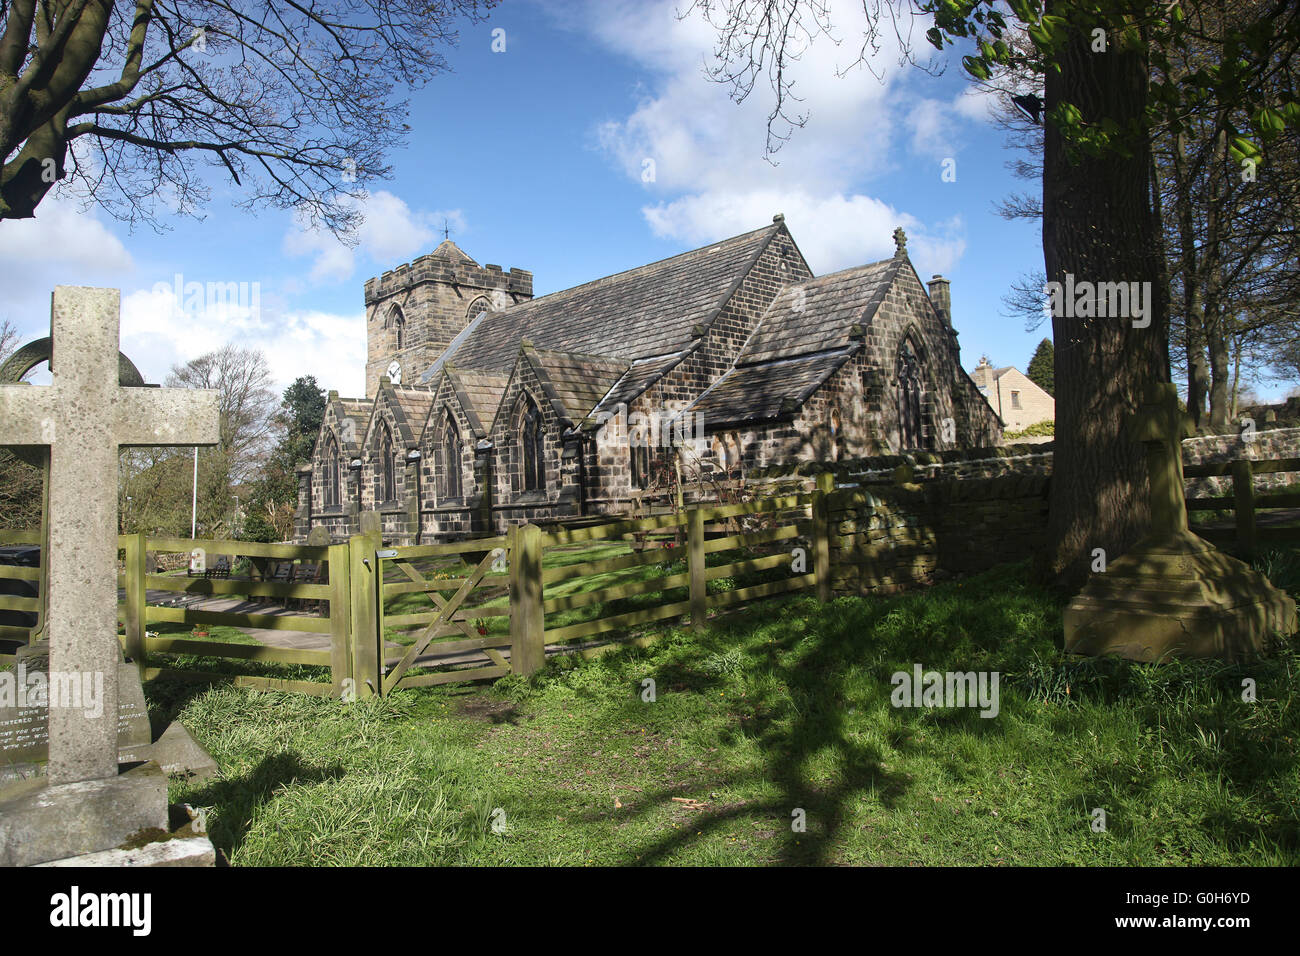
{"x": 613, "y": 360}
{"x": 627, "y": 272}
{"x": 839, "y": 273}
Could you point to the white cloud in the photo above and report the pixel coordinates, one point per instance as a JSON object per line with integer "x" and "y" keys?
{"x": 837, "y": 231}
{"x": 63, "y": 245}
{"x": 389, "y": 233}
{"x": 930, "y": 123}
{"x": 975, "y": 104}
{"x": 711, "y": 178}
{"x": 159, "y": 331}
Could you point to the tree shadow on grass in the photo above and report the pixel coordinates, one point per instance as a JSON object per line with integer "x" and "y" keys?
{"x": 239, "y": 799}
{"x": 829, "y": 661}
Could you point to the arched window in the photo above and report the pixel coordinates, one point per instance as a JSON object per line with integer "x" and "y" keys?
{"x": 833, "y": 428}
{"x": 449, "y": 453}
{"x": 330, "y": 497}
{"x": 397, "y": 322}
{"x": 532, "y": 448}
{"x": 910, "y": 432}
{"x": 481, "y": 304}
{"x": 387, "y": 464}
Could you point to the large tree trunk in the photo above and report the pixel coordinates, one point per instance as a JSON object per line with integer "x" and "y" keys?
{"x": 1098, "y": 226}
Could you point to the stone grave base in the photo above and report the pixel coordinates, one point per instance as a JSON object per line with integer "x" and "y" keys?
{"x": 119, "y": 821}
{"x": 1177, "y": 596}
{"x": 181, "y": 851}
{"x": 175, "y": 751}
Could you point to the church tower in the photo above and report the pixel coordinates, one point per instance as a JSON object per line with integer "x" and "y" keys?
{"x": 414, "y": 311}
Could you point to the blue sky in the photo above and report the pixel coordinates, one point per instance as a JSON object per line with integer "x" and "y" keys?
{"x": 535, "y": 157}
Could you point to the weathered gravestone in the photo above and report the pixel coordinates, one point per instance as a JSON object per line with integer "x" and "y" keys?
{"x": 1174, "y": 594}
{"x": 84, "y": 804}
{"x": 24, "y": 710}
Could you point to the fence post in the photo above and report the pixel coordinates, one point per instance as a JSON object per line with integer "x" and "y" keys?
{"x": 133, "y": 643}
{"x": 527, "y": 618}
{"x": 1243, "y": 491}
{"x": 341, "y": 652}
{"x": 821, "y": 533}
{"x": 695, "y": 561}
{"x": 367, "y": 661}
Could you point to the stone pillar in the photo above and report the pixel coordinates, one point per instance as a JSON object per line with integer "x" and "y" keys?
{"x": 484, "y": 474}
{"x": 302, "y": 516}
{"x": 412, "y": 500}
{"x": 570, "y": 477}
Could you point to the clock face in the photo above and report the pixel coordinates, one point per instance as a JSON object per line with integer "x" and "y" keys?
{"x": 395, "y": 372}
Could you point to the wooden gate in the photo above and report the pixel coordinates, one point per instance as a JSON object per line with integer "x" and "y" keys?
{"x": 451, "y": 616}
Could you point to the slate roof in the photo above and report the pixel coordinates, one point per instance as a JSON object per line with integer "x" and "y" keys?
{"x": 358, "y": 411}
{"x": 639, "y": 376}
{"x": 573, "y": 382}
{"x": 480, "y": 395}
{"x": 410, "y": 407}
{"x": 645, "y": 311}
{"x": 805, "y": 336}
{"x": 816, "y": 315}
{"x": 767, "y": 391}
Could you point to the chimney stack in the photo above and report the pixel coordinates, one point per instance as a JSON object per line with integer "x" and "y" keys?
{"x": 941, "y": 297}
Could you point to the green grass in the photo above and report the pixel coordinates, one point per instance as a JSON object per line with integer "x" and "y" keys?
{"x": 783, "y": 707}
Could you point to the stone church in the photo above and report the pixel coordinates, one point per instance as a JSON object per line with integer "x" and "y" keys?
{"x": 486, "y": 407}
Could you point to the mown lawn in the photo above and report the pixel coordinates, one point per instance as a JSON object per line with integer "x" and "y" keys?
{"x": 781, "y": 708}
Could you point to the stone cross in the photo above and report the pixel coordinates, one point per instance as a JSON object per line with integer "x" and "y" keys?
{"x": 84, "y": 417}
{"x": 1161, "y": 425}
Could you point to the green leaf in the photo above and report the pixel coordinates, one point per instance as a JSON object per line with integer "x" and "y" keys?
{"x": 975, "y": 67}
{"x": 1243, "y": 148}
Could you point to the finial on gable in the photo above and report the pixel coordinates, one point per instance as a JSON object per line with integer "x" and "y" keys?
{"x": 900, "y": 243}
{"x": 779, "y": 217}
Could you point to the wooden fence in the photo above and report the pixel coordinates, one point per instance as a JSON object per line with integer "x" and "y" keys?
{"x": 28, "y": 605}
{"x": 503, "y": 596}
{"x": 1244, "y": 503}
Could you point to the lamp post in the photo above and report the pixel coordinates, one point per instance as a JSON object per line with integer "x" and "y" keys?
{"x": 194, "y": 499}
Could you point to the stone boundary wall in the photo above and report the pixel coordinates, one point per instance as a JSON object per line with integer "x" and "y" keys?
{"x": 887, "y": 537}
{"x": 949, "y": 513}
{"x": 1273, "y": 443}
{"x": 1036, "y": 459}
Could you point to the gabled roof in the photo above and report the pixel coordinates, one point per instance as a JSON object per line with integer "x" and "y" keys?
{"x": 410, "y": 408}
{"x": 479, "y": 394}
{"x": 356, "y": 410}
{"x": 817, "y": 315}
{"x": 574, "y": 383}
{"x": 640, "y": 375}
{"x": 449, "y": 250}
{"x": 767, "y": 391}
{"x": 656, "y": 308}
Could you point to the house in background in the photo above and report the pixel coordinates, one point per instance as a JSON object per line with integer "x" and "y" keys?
{"x": 1016, "y": 399}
